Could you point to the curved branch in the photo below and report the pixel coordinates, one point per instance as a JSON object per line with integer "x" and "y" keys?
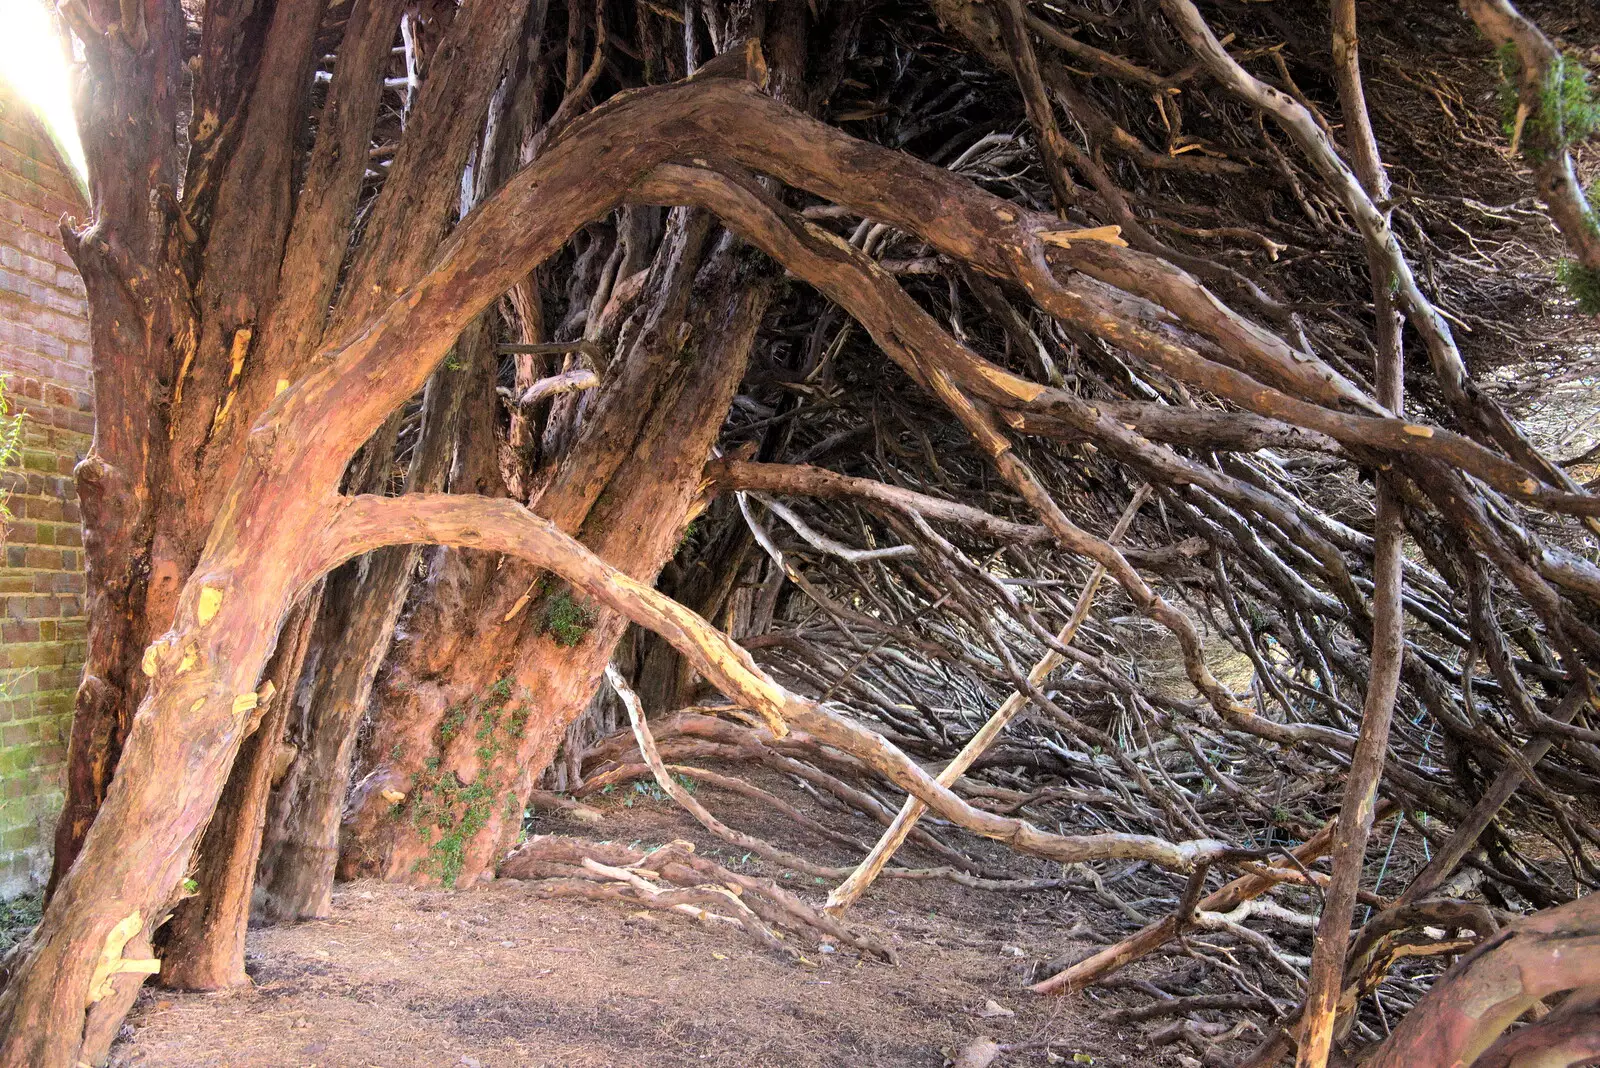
{"x": 875, "y": 299}
{"x": 364, "y": 523}
{"x": 589, "y": 169}
{"x": 1470, "y": 405}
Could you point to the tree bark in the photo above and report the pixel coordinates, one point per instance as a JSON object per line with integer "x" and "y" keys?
{"x": 153, "y": 480}
{"x": 1504, "y": 976}
{"x": 467, "y": 730}
{"x": 281, "y": 521}
{"x": 481, "y": 736}
{"x": 204, "y": 942}
{"x": 137, "y": 82}
{"x": 301, "y": 845}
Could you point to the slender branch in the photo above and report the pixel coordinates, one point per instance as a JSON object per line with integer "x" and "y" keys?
{"x": 555, "y": 385}
{"x": 804, "y": 480}
{"x": 1326, "y": 980}
{"x": 847, "y": 893}
{"x": 1471, "y": 406}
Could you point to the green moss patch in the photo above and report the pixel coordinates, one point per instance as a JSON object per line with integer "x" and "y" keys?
{"x": 448, "y": 813}
{"x": 566, "y": 619}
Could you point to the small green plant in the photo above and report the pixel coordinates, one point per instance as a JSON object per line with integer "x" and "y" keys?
{"x": 454, "y": 717}
{"x": 566, "y": 619}
{"x": 1568, "y": 110}
{"x": 457, "y": 810}
{"x": 19, "y": 916}
{"x": 10, "y": 434}
{"x": 688, "y": 534}
{"x": 445, "y": 811}
{"x": 517, "y": 723}
{"x": 1582, "y": 285}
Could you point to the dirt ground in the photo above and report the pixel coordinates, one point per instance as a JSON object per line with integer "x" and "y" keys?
{"x": 498, "y": 977}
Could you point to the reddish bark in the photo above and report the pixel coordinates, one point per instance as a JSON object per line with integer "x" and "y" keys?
{"x": 472, "y": 727}
{"x": 469, "y": 723}
{"x": 1504, "y": 976}
{"x": 205, "y": 938}
{"x": 283, "y": 523}
{"x": 408, "y": 221}
{"x": 136, "y": 81}
{"x": 153, "y": 479}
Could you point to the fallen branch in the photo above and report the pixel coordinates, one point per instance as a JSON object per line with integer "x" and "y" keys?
{"x": 1145, "y": 941}
{"x": 674, "y": 878}
{"x": 846, "y": 893}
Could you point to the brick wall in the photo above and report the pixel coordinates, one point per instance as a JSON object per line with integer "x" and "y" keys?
{"x": 44, "y": 355}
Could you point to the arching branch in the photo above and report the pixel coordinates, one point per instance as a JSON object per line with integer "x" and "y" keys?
{"x": 497, "y": 525}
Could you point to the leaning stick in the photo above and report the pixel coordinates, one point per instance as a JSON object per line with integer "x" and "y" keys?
{"x": 846, "y": 893}
{"x": 1150, "y": 938}
{"x": 1483, "y": 813}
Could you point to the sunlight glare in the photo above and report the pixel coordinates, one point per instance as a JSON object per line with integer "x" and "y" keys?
{"x": 32, "y": 63}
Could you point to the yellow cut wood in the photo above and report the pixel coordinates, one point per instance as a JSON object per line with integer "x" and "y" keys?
{"x": 1111, "y": 235}
{"x": 210, "y": 601}
{"x": 111, "y": 959}
{"x": 846, "y": 893}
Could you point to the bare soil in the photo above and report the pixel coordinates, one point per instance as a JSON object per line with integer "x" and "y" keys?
{"x": 498, "y": 976}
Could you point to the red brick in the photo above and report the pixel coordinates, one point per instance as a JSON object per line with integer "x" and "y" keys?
{"x": 22, "y": 630}
{"x": 17, "y": 533}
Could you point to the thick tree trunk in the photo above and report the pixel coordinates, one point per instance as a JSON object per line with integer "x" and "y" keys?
{"x": 468, "y": 727}
{"x": 410, "y": 218}
{"x": 302, "y": 839}
{"x": 301, "y": 846}
{"x": 178, "y": 382}
{"x": 118, "y": 482}
{"x": 130, "y": 870}
{"x": 466, "y": 749}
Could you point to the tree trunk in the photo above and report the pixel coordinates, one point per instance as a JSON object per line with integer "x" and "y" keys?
{"x": 301, "y": 846}
{"x": 179, "y": 381}
{"x": 302, "y": 840}
{"x": 204, "y": 941}
{"x": 468, "y": 725}
{"x": 465, "y": 749}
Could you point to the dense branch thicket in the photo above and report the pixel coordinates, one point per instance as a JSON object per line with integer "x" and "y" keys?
{"x": 1152, "y": 435}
